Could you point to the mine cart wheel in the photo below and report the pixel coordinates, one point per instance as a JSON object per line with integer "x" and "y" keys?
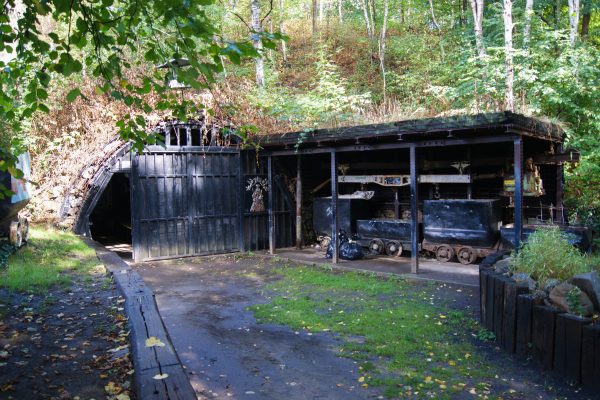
{"x": 376, "y": 246}
{"x": 393, "y": 248}
{"x": 466, "y": 255}
{"x": 325, "y": 240}
{"x": 16, "y": 239}
{"x": 24, "y": 231}
{"x": 444, "y": 253}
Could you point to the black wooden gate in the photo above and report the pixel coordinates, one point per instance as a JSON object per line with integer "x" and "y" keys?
{"x": 185, "y": 203}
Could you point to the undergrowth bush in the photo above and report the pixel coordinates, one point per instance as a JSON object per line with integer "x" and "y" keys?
{"x": 547, "y": 254}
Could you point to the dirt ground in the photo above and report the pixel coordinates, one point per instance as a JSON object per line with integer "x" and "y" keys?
{"x": 66, "y": 344}
{"x": 227, "y": 354}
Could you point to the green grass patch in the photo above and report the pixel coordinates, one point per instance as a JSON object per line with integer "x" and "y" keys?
{"x": 404, "y": 336}
{"x": 46, "y": 261}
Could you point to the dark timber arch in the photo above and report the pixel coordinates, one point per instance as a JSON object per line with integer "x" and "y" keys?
{"x": 119, "y": 161}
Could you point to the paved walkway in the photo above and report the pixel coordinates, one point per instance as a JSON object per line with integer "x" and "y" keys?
{"x": 226, "y": 353}
{"x": 453, "y": 272}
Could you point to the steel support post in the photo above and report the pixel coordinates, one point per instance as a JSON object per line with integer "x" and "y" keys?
{"x": 271, "y": 188}
{"x": 414, "y": 212}
{"x": 518, "y": 202}
{"x": 299, "y": 202}
{"x": 334, "y": 201}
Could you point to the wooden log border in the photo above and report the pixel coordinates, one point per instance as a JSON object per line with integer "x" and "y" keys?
{"x": 563, "y": 343}
{"x": 145, "y": 322}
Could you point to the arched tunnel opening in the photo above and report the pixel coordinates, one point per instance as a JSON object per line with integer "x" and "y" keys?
{"x": 110, "y": 220}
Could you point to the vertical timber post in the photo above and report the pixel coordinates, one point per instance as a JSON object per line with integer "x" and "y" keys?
{"x": 414, "y": 212}
{"x": 299, "y": 202}
{"x": 560, "y": 183}
{"x": 334, "y": 201}
{"x": 518, "y": 150}
{"x": 241, "y": 201}
{"x": 271, "y": 227}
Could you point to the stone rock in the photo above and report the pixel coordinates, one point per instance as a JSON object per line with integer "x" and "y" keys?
{"x": 524, "y": 279}
{"x": 539, "y": 296}
{"x": 558, "y": 297}
{"x": 551, "y": 284}
{"x": 590, "y": 284}
{"x": 503, "y": 266}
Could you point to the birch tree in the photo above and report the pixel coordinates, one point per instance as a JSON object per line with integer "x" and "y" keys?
{"x": 340, "y": 14}
{"x": 282, "y": 31}
{"x": 314, "y": 11}
{"x": 527, "y": 27}
{"x": 435, "y": 24}
{"x": 509, "y": 100}
{"x": 382, "y": 37}
{"x": 257, "y": 42}
{"x": 573, "y": 20}
{"x": 477, "y": 6}
{"x": 370, "y": 28}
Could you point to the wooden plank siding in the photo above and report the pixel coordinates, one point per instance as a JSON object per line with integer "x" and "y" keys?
{"x": 185, "y": 204}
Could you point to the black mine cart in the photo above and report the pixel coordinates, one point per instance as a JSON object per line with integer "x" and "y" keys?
{"x": 349, "y": 210}
{"x": 467, "y": 229}
{"x": 384, "y": 235}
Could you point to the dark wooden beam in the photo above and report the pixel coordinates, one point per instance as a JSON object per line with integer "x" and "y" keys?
{"x": 271, "y": 189}
{"x": 397, "y": 145}
{"x": 518, "y": 200}
{"x": 299, "y": 202}
{"x": 568, "y": 157}
{"x": 414, "y": 212}
{"x": 334, "y": 201}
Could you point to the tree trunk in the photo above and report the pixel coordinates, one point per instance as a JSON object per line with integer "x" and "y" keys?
{"x": 463, "y": 12}
{"x": 281, "y": 30}
{"x": 340, "y": 13}
{"x": 402, "y": 12}
{"x": 382, "y": 52}
{"x": 258, "y": 61}
{"x": 573, "y": 20}
{"x": 585, "y": 19}
{"x": 557, "y": 13}
{"x": 321, "y": 11}
{"x": 367, "y": 19}
{"x": 373, "y": 14}
{"x": 477, "y": 6}
{"x": 435, "y": 24}
{"x": 314, "y": 17}
{"x": 509, "y": 98}
{"x": 527, "y": 28}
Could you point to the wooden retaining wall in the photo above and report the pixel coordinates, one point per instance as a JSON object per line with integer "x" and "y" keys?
{"x": 556, "y": 341}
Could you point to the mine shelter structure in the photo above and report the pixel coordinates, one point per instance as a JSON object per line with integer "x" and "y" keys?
{"x": 204, "y": 193}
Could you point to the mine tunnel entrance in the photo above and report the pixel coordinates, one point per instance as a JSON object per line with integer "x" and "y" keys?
{"x": 110, "y": 221}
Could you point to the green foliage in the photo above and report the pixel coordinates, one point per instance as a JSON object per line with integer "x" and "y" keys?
{"x": 486, "y": 335}
{"x": 574, "y": 302}
{"x": 46, "y": 261}
{"x": 103, "y": 40}
{"x": 328, "y": 101}
{"x": 547, "y": 254}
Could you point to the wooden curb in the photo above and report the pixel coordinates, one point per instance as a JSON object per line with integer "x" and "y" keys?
{"x": 145, "y": 322}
